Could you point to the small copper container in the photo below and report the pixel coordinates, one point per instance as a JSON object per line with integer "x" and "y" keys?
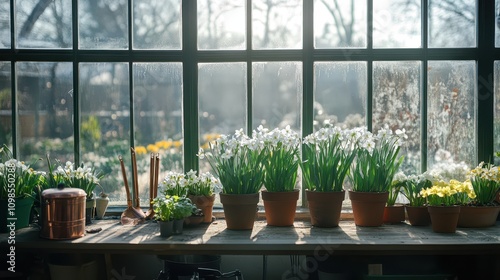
{"x": 63, "y": 213}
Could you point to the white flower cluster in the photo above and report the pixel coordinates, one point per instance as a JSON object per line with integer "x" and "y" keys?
{"x": 444, "y": 172}
{"x": 21, "y": 168}
{"x": 83, "y": 173}
{"x": 282, "y": 138}
{"x": 204, "y": 181}
{"x": 180, "y": 184}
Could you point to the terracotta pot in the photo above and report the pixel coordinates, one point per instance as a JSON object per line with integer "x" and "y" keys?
{"x": 444, "y": 219}
{"x": 368, "y": 207}
{"x": 418, "y": 215}
{"x": 205, "y": 204}
{"x": 240, "y": 210}
{"x": 394, "y": 214}
{"x": 280, "y": 207}
{"x": 325, "y": 207}
{"x": 478, "y": 216}
{"x": 166, "y": 228}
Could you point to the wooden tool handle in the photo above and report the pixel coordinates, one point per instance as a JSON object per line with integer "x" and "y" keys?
{"x": 125, "y": 181}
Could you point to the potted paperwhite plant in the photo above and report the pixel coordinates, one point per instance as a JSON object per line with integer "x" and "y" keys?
{"x": 237, "y": 160}
{"x": 281, "y": 164}
{"x": 481, "y": 210}
{"x": 372, "y": 173}
{"x": 201, "y": 190}
{"x": 17, "y": 184}
{"x": 328, "y": 154}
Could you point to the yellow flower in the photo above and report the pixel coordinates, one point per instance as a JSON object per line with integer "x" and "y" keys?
{"x": 164, "y": 144}
{"x": 153, "y": 148}
{"x": 140, "y": 150}
{"x": 177, "y": 144}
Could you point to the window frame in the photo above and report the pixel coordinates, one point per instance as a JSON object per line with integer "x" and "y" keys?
{"x": 484, "y": 54}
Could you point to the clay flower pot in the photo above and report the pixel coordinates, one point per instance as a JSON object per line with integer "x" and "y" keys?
{"x": 418, "y": 215}
{"x": 394, "y": 214}
{"x": 280, "y": 207}
{"x": 240, "y": 210}
{"x": 478, "y": 216}
{"x": 368, "y": 207}
{"x": 205, "y": 204}
{"x": 444, "y": 219}
{"x": 325, "y": 207}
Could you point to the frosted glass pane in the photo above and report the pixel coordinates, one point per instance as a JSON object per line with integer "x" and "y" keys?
{"x": 452, "y": 24}
{"x": 221, "y": 24}
{"x": 45, "y": 111}
{"x": 496, "y": 147}
{"x": 396, "y": 103}
{"x": 222, "y": 90}
{"x": 340, "y": 24}
{"x": 5, "y": 105}
{"x": 340, "y": 94}
{"x": 157, "y": 24}
{"x": 277, "y": 94}
{"x": 497, "y": 23}
{"x": 5, "y": 25}
{"x": 451, "y": 112}
{"x": 105, "y": 122}
{"x": 103, "y": 24}
{"x": 397, "y": 24}
{"x": 277, "y": 24}
{"x": 43, "y": 24}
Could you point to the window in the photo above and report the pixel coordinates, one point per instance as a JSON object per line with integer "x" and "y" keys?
{"x": 168, "y": 76}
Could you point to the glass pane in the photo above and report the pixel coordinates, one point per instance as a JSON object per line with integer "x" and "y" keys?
{"x": 43, "y": 24}
{"x": 396, "y": 103}
{"x": 451, "y": 112}
{"x": 221, "y": 24}
{"x": 45, "y": 111}
{"x": 222, "y": 104}
{"x": 277, "y": 94}
{"x": 339, "y": 24}
{"x": 277, "y": 24}
{"x": 452, "y": 24}
{"x": 5, "y": 25}
{"x": 157, "y": 24}
{"x": 497, "y": 23}
{"x": 5, "y": 105}
{"x": 103, "y": 24}
{"x": 340, "y": 94}
{"x": 105, "y": 123}
{"x": 158, "y": 119}
{"x": 397, "y": 24}
{"x": 496, "y": 147}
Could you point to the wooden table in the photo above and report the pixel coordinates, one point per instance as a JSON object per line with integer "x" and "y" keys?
{"x": 302, "y": 239}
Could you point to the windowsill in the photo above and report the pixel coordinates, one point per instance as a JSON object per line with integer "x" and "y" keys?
{"x": 215, "y": 238}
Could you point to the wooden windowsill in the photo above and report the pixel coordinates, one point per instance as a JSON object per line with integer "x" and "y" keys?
{"x": 214, "y": 238}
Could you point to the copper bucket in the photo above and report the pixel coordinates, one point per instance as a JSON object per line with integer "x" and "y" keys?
{"x": 63, "y": 213}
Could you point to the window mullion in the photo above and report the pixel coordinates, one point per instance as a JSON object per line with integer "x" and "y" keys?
{"x": 76, "y": 84}
{"x": 423, "y": 106}
{"x": 485, "y": 86}
{"x": 190, "y": 84}
{"x": 369, "y": 82}
{"x": 249, "y": 52}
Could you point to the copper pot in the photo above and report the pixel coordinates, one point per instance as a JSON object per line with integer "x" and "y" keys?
{"x": 63, "y": 213}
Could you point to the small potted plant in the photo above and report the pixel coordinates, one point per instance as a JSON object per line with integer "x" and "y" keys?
{"x": 163, "y": 207}
{"x": 182, "y": 208}
{"x": 372, "y": 173}
{"x": 481, "y": 210}
{"x": 394, "y": 213}
{"x": 281, "y": 164}
{"x": 443, "y": 204}
{"x": 416, "y": 209}
{"x": 328, "y": 154}
{"x": 201, "y": 190}
{"x": 17, "y": 184}
{"x": 237, "y": 160}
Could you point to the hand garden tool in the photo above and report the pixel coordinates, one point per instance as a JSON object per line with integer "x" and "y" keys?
{"x": 130, "y": 216}
{"x": 154, "y": 171}
{"x": 137, "y": 200}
